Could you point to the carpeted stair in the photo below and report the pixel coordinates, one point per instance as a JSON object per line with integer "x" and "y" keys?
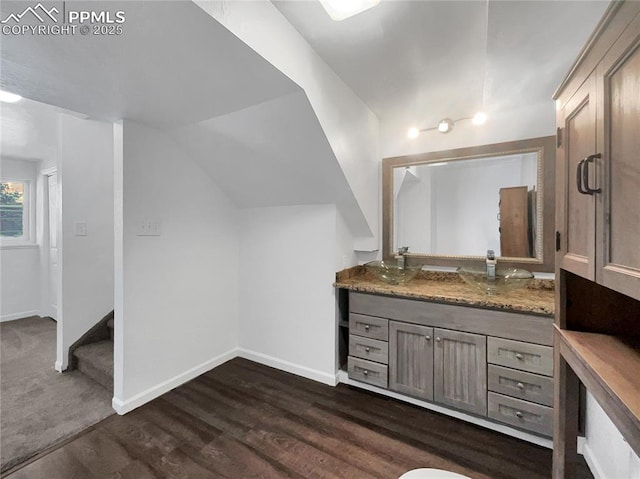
{"x": 95, "y": 360}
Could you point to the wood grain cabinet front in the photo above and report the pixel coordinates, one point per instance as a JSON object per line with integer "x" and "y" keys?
{"x": 518, "y": 355}
{"x": 411, "y": 359}
{"x": 598, "y": 188}
{"x": 459, "y": 357}
{"x": 521, "y": 414}
{"x": 371, "y": 349}
{"x": 460, "y": 370}
{"x": 369, "y": 326}
{"x": 367, "y": 371}
{"x": 521, "y": 385}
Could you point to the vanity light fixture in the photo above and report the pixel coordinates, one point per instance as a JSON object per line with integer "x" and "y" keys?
{"x": 446, "y": 124}
{"x": 340, "y": 9}
{"x": 7, "y": 97}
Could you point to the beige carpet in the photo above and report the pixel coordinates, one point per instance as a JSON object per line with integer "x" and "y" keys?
{"x": 39, "y": 406}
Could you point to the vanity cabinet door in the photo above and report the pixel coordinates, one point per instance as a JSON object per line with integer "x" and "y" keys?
{"x": 411, "y": 359}
{"x": 575, "y": 207}
{"x": 460, "y": 370}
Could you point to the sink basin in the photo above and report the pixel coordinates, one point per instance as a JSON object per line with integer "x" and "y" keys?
{"x": 389, "y": 272}
{"x": 507, "y": 279}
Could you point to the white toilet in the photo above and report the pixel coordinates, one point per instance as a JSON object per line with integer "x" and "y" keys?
{"x": 431, "y": 474}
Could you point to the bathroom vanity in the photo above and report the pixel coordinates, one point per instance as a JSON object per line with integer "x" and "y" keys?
{"x": 437, "y": 340}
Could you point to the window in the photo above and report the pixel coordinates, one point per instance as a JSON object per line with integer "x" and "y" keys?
{"x": 14, "y": 211}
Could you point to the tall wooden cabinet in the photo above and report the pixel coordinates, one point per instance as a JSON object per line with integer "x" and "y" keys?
{"x": 597, "y": 330}
{"x": 598, "y": 157}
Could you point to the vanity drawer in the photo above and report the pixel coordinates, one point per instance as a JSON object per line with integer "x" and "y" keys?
{"x": 522, "y": 414}
{"x": 369, "y": 326}
{"x": 371, "y": 349}
{"x": 527, "y": 386}
{"x": 524, "y": 356}
{"x": 367, "y": 371}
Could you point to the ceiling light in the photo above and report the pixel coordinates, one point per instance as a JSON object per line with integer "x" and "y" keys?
{"x": 341, "y": 9}
{"x": 479, "y": 118}
{"x": 442, "y": 163}
{"x": 445, "y": 126}
{"x": 7, "y": 97}
{"x": 413, "y": 133}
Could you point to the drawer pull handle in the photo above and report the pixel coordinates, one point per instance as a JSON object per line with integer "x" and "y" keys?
{"x": 520, "y": 386}
{"x": 367, "y": 349}
{"x": 428, "y": 338}
{"x": 519, "y": 356}
{"x": 438, "y": 339}
{"x": 366, "y": 327}
{"x": 365, "y": 372}
{"x": 519, "y": 415}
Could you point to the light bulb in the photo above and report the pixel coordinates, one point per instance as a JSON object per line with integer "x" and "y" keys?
{"x": 413, "y": 133}
{"x": 445, "y": 126}
{"x": 479, "y": 118}
{"x": 7, "y": 97}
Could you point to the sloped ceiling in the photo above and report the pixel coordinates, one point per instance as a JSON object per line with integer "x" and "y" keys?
{"x": 173, "y": 65}
{"x": 415, "y": 62}
{"x": 177, "y": 69}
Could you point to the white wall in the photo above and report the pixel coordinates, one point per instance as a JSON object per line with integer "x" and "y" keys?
{"x": 20, "y": 287}
{"x": 177, "y": 293}
{"x": 85, "y": 177}
{"x": 607, "y": 453}
{"x": 350, "y": 126}
{"x": 287, "y": 306}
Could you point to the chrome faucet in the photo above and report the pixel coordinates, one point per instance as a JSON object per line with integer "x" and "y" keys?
{"x": 491, "y": 265}
{"x": 400, "y": 257}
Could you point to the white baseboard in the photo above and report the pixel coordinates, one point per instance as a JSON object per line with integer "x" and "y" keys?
{"x": 592, "y": 462}
{"x": 316, "y": 375}
{"x": 23, "y": 314}
{"x": 123, "y": 407}
{"x": 532, "y": 438}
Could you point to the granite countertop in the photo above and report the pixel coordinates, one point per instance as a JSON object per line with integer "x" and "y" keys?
{"x": 445, "y": 287}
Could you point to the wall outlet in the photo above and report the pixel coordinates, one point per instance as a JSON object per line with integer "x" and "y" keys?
{"x": 149, "y": 228}
{"x": 80, "y": 228}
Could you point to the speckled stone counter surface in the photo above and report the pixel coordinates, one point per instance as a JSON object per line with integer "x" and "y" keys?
{"x": 444, "y": 287}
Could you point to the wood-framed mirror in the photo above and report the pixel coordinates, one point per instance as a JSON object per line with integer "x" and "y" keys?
{"x": 450, "y": 207}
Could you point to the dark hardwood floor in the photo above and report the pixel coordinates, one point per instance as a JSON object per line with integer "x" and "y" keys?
{"x": 245, "y": 420}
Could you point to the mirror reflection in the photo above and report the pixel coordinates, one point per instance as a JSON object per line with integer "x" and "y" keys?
{"x": 464, "y": 207}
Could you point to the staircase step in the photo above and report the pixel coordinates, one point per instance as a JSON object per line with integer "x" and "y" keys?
{"x": 96, "y": 361}
{"x": 110, "y": 326}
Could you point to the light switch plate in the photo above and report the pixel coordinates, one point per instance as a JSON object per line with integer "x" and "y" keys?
{"x": 80, "y": 228}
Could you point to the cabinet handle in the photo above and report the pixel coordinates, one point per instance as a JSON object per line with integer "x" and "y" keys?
{"x": 580, "y": 176}
{"x": 585, "y": 174}
{"x": 428, "y": 338}
{"x": 366, "y": 327}
{"x": 519, "y": 415}
{"x": 519, "y": 356}
{"x": 367, "y": 349}
{"x": 438, "y": 339}
{"x": 365, "y": 372}
{"x": 520, "y": 386}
